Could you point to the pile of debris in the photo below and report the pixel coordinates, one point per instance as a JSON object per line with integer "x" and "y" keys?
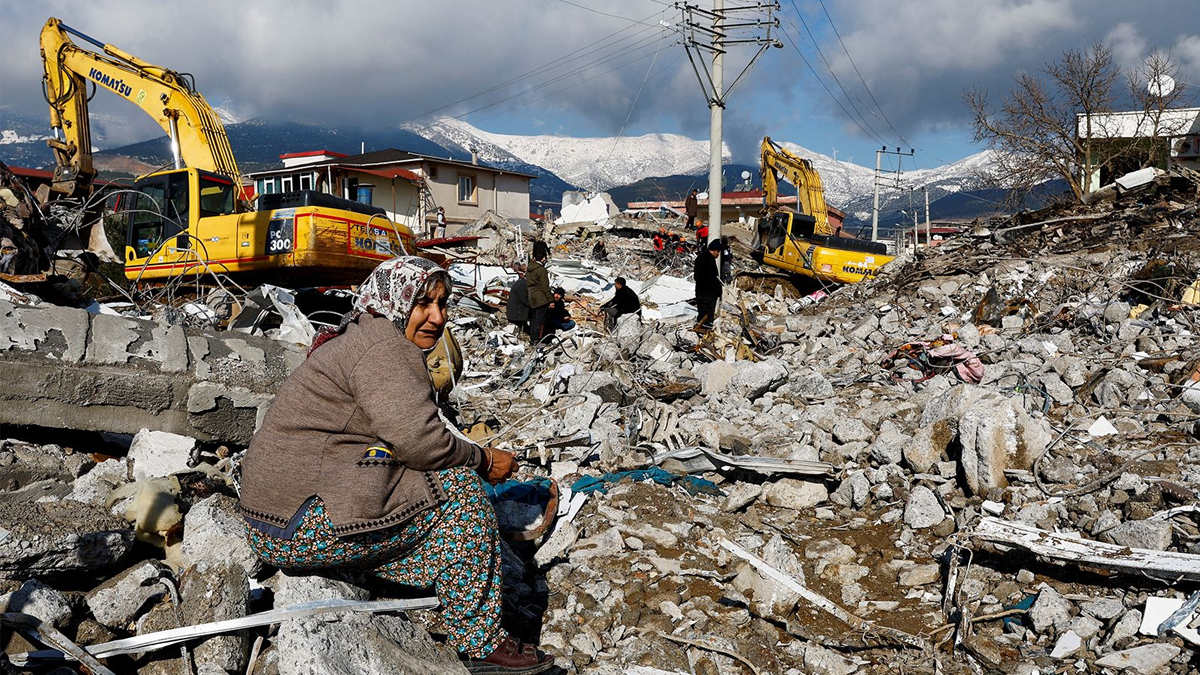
{"x": 982, "y": 461}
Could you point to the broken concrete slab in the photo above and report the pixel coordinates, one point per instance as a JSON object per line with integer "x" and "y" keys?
{"x": 64, "y": 536}
{"x": 120, "y": 599}
{"x": 354, "y": 644}
{"x": 67, "y": 368}
{"x": 217, "y": 592}
{"x": 1143, "y": 660}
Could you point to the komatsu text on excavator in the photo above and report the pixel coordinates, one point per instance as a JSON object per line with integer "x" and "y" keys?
{"x": 803, "y": 242}
{"x": 191, "y": 220}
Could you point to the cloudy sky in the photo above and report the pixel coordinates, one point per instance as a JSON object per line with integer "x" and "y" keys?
{"x": 592, "y": 68}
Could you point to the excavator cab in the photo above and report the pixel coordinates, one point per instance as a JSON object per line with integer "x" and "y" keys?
{"x": 162, "y": 215}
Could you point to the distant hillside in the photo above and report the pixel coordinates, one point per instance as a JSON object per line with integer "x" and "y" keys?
{"x": 676, "y": 188}
{"x": 258, "y": 143}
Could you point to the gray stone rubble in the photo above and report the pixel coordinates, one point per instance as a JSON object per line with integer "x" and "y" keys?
{"x": 1079, "y": 330}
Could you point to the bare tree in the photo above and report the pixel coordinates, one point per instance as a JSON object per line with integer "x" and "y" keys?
{"x": 1043, "y": 128}
{"x": 1059, "y": 123}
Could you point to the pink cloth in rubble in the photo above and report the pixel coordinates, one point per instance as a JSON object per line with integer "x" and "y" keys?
{"x": 966, "y": 363}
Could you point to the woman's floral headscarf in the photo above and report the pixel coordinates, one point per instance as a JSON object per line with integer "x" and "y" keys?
{"x": 391, "y": 291}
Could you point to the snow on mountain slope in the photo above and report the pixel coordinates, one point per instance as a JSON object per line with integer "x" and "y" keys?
{"x": 595, "y": 163}
{"x": 850, "y": 186}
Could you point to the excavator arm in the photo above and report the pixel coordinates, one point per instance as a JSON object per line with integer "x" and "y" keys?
{"x": 197, "y": 136}
{"x": 778, "y": 163}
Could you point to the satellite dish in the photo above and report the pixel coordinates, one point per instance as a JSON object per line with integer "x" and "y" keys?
{"x": 745, "y": 175}
{"x": 1161, "y": 86}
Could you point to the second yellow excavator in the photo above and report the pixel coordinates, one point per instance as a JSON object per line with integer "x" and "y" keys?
{"x": 191, "y": 220}
{"x": 802, "y": 241}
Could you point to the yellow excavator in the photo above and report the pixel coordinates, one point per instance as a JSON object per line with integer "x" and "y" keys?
{"x": 803, "y": 241}
{"x": 191, "y": 219}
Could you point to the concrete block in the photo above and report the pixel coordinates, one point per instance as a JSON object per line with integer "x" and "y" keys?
{"x": 42, "y": 601}
{"x": 155, "y": 454}
{"x": 213, "y": 533}
{"x": 119, "y": 600}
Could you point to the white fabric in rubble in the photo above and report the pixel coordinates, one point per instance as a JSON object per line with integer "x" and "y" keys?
{"x": 597, "y": 210}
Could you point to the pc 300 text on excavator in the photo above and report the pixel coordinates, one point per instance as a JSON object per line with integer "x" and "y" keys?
{"x": 191, "y": 220}
{"x": 803, "y": 242}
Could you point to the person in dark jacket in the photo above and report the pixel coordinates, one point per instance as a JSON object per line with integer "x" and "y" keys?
{"x": 537, "y": 284}
{"x": 557, "y": 316}
{"x": 353, "y": 468}
{"x": 517, "y": 310}
{"x": 708, "y": 284}
{"x": 726, "y": 261}
{"x": 624, "y": 301}
{"x": 691, "y": 206}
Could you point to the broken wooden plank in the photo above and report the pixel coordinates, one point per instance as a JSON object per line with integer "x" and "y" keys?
{"x": 856, "y": 622}
{"x": 165, "y": 638}
{"x": 1167, "y": 565}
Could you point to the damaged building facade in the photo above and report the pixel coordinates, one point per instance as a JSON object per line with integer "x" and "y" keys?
{"x": 409, "y": 187}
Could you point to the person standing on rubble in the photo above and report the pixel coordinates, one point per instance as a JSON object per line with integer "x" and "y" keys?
{"x": 726, "y": 261}
{"x": 624, "y": 301}
{"x": 517, "y": 310}
{"x": 691, "y": 206}
{"x": 353, "y": 468}
{"x": 708, "y": 285}
{"x": 440, "y": 231}
{"x": 537, "y": 283}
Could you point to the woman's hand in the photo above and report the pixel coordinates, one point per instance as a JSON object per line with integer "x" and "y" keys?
{"x": 498, "y": 465}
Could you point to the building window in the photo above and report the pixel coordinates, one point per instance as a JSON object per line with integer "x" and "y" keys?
{"x": 306, "y": 181}
{"x": 466, "y": 189}
{"x": 285, "y": 184}
{"x": 268, "y": 186}
{"x": 433, "y": 171}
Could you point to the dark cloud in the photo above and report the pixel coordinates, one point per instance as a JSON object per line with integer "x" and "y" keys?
{"x": 917, "y": 57}
{"x": 375, "y": 62}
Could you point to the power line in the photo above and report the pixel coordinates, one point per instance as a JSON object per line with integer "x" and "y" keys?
{"x": 641, "y": 45}
{"x": 634, "y": 104}
{"x": 557, "y": 63}
{"x": 580, "y": 82}
{"x": 878, "y": 107}
{"x": 849, "y": 97}
{"x": 860, "y": 77}
{"x": 873, "y": 136}
{"x": 596, "y": 11}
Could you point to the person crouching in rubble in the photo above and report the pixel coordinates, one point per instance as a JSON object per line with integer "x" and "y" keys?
{"x": 708, "y": 284}
{"x": 352, "y": 468}
{"x": 624, "y": 301}
{"x": 517, "y": 309}
{"x": 557, "y": 316}
{"x": 537, "y": 284}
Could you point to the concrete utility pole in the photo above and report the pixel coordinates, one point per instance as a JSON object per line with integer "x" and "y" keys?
{"x": 715, "y": 38}
{"x": 894, "y": 182}
{"x": 715, "y": 107}
{"x": 928, "y": 239}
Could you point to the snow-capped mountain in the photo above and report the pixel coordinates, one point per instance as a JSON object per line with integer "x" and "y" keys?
{"x": 850, "y": 186}
{"x": 593, "y": 163}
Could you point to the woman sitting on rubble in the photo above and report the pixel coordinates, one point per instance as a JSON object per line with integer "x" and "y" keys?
{"x": 353, "y": 467}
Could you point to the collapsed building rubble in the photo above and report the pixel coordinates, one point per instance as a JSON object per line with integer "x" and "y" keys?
{"x": 814, "y": 497}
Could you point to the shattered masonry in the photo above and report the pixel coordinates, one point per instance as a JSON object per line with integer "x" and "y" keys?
{"x": 882, "y": 509}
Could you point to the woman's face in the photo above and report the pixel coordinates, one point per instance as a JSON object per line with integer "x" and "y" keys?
{"x": 428, "y": 318}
